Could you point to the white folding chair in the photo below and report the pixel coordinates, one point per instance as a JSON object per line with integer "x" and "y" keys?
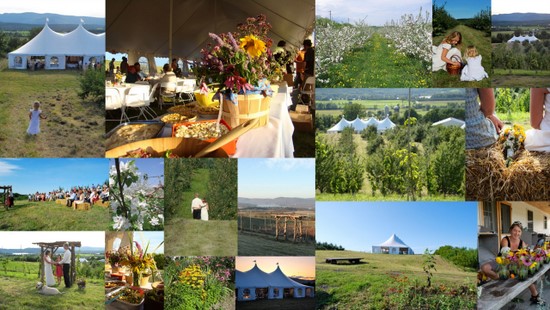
{"x": 113, "y": 101}
{"x": 309, "y": 91}
{"x": 140, "y": 98}
{"x": 167, "y": 90}
{"x": 189, "y": 89}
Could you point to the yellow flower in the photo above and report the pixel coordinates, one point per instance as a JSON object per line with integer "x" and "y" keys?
{"x": 252, "y": 45}
{"x": 499, "y": 260}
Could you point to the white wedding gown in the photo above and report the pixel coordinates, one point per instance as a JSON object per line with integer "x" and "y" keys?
{"x": 50, "y": 281}
{"x": 539, "y": 140}
{"x": 204, "y": 214}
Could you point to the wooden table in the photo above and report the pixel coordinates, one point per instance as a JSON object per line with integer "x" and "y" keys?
{"x": 497, "y": 293}
{"x": 351, "y": 260}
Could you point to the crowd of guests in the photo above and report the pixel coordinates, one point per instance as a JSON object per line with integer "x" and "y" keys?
{"x": 77, "y": 194}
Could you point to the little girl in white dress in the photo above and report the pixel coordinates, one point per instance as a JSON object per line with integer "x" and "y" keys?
{"x": 538, "y": 138}
{"x": 34, "y": 116}
{"x": 473, "y": 71}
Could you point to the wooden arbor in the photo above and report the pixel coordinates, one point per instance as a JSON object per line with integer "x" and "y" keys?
{"x": 7, "y": 189}
{"x": 53, "y": 246}
{"x": 281, "y": 223}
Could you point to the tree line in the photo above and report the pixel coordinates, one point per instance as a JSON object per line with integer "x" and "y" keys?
{"x": 522, "y": 56}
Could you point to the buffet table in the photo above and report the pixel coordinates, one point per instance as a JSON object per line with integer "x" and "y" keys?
{"x": 140, "y": 89}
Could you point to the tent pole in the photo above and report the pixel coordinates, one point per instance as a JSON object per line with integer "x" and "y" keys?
{"x": 170, "y": 32}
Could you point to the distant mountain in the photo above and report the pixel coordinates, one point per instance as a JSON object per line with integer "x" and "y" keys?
{"x": 388, "y": 93}
{"x": 36, "y": 251}
{"x": 40, "y": 19}
{"x": 529, "y": 18}
{"x": 300, "y": 203}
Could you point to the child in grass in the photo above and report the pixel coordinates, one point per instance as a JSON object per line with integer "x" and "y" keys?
{"x": 34, "y": 116}
{"x": 58, "y": 270}
{"x": 473, "y": 71}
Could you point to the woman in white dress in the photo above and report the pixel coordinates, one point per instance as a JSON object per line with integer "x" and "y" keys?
{"x": 50, "y": 281}
{"x": 538, "y": 138}
{"x": 443, "y": 53}
{"x": 204, "y": 210}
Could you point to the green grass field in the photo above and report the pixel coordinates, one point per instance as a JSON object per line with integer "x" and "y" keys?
{"x": 469, "y": 37}
{"x": 279, "y": 304}
{"x": 188, "y": 237}
{"x": 17, "y": 293}
{"x": 199, "y": 184}
{"x": 378, "y": 105}
{"x": 22, "y": 270}
{"x": 49, "y": 216}
{"x": 252, "y": 244}
{"x": 520, "y": 78}
{"x": 73, "y": 127}
{"x": 377, "y": 64}
{"x": 366, "y": 285}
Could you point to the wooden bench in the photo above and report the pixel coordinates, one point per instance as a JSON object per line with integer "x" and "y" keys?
{"x": 81, "y": 206}
{"x": 351, "y": 260}
{"x": 497, "y": 293}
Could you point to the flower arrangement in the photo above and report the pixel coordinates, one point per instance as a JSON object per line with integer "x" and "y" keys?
{"x": 115, "y": 257}
{"x": 520, "y": 263}
{"x": 512, "y": 138}
{"x": 238, "y": 61}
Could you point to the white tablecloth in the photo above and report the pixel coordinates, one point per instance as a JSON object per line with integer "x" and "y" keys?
{"x": 274, "y": 139}
{"x": 123, "y": 90}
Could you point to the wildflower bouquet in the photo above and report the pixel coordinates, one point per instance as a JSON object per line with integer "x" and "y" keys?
{"x": 138, "y": 261}
{"x": 115, "y": 257}
{"x": 238, "y": 61}
{"x": 512, "y": 138}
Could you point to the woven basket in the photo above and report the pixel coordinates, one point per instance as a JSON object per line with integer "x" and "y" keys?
{"x": 455, "y": 69}
{"x": 249, "y": 107}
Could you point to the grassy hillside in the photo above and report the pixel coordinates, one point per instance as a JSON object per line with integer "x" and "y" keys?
{"x": 381, "y": 280}
{"x": 50, "y": 216}
{"x": 18, "y": 293}
{"x": 251, "y": 244}
{"x": 524, "y": 78}
{"x": 482, "y": 43}
{"x": 73, "y": 127}
{"x": 187, "y": 237}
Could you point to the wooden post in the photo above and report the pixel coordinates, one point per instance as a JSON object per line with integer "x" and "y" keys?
{"x": 265, "y": 224}
{"x": 276, "y": 228}
{"x": 301, "y": 232}
{"x": 284, "y": 229}
{"x": 294, "y": 230}
{"x": 73, "y": 267}
{"x": 42, "y": 264}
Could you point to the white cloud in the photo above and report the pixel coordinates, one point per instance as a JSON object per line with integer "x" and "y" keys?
{"x": 290, "y": 164}
{"x": 7, "y": 169}
{"x": 527, "y": 6}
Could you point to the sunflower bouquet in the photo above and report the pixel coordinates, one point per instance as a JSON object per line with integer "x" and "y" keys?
{"x": 239, "y": 62}
{"x": 513, "y": 139}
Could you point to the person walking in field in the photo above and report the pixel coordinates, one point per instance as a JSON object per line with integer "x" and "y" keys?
{"x": 35, "y": 115}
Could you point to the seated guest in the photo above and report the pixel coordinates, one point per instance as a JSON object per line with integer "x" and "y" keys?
{"x": 168, "y": 77}
{"x": 133, "y": 76}
{"x": 81, "y": 198}
{"x": 104, "y": 194}
{"x": 71, "y": 199}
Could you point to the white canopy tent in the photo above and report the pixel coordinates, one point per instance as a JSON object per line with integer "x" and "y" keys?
{"x": 372, "y": 122}
{"x": 250, "y": 285}
{"x": 56, "y": 48}
{"x": 393, "y": 245}
{"x": 343, "y": 123}
{"x": 385, "y": 125}
{"x": 450, "y": 121}
{"x": 358, "y": 124}
{"x": 179, "y": 28}
{"x": 521, "y": 38}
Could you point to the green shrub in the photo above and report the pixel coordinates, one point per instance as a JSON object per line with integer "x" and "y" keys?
{"x": 92, "y": 85}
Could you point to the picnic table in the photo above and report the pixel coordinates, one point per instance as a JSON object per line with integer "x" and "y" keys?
{"x": 351, "y": 260}
{"x": 496, "y": 294}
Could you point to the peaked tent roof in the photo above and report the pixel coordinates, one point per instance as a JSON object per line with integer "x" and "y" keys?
{"x": 292, "y": 20}
{"x": 255, "y": 278}
{"x": 358, "y": 124}
{"x": 450, "y": 121}
{"x": 75, "y": 43}
{"x": 394, "y": 241}
{"x": 278, "y": 278}
{"x": 343, "y": 123}
{"x": 372, "y": 122}
{"x": 385, "y": 124}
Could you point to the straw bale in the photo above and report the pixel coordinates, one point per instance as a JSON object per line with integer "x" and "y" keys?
{"x": 527, "y": 178}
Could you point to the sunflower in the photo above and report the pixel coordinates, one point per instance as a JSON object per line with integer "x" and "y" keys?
{"x": 252, "y": 45}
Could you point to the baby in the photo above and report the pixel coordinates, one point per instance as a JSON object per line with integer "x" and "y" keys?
{"x": 473, "y": 71}
{"x": 34, "y": 116}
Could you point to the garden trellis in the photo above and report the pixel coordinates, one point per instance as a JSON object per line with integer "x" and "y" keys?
{"x": 54, "y": 246}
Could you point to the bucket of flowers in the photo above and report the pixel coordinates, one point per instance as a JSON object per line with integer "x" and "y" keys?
{"x": 138, "y": 261}
{"x": 240, "y": 64}
{"x": 512, "y": 139}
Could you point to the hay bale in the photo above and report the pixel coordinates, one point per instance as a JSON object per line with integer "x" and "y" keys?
{"x": 489, "y": 179}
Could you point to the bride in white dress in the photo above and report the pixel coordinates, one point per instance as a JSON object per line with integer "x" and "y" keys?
{"x": 50, "y": 281}
{"x": 204, "y": 211}
{"x": 538, "y": 138}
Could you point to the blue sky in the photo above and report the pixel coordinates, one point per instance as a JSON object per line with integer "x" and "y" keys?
{"x": 94, "y": 8}
{"x": 523, "y": 6}
{"x": 271, "y": 178}
{"x": 464, "y": 8}
{"x": 358, "y": 226}
{"x": 153, "y": 167}
{"x": 373, "y": 12}
{"x": 25, "y": 239}
{"x": 29, "y": 175}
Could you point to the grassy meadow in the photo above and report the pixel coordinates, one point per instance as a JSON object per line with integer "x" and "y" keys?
{"x": 49, "y": 216}
{"x": 482, "y": 43}
{"x": 525, "y": 78}
{"x": 73, "y": 127}
{"x": 254, "y": 244}
{"x": 381, "y": 280}
{"x": 188, "y": 237}
{"x": 377, "y": 64}
{"x": 21, "y": 293}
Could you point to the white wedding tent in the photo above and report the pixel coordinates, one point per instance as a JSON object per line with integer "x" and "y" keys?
{"x": 60, "y": 50}
{"x": 450, "y": 121}
{"x": 257, "y": 284}
{"x": 393, "y": 245}
{"x": 343, "y": 123}
{"x": 521, "y": 38}
{"x": 359, "y": 125}
{"x": 179, "y": 28}
{"x": 385, "y": 125}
